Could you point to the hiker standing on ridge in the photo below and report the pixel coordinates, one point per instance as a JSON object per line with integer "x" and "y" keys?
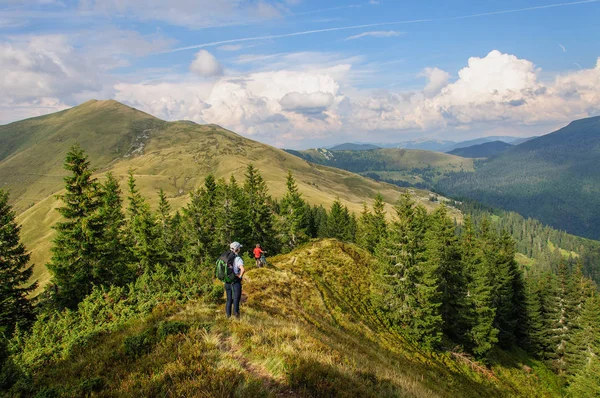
{"x": 233, "y": 289}
{"x": 258, "y": 254}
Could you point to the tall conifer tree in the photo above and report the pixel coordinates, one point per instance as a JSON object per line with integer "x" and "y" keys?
{"x": 76, "y": 254}
{"x": 339, "y": 223}
{"x": 408, "y": 284}
{"x": 294, "y": 220}
{"x": 260, "y": 217}
{"x": 14, "y": 272}
{"x": 482, "y": 334}
{"x": 443, "y": 254}
{"x": 143, "y": 238}
{"x": 113, "y": 260}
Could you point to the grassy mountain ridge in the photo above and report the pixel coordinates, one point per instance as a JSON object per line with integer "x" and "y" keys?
{"x": 406, "y": 167}
{"x": 33, "y": 150}
{"x": 308, "y": 328}
{"x": 174, "y": 156}
{"x": 554, "y": 178}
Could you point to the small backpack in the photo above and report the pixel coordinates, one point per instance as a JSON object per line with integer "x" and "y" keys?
{"x": 224, "y": 269}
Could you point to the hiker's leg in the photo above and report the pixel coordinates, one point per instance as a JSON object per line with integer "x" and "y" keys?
{"x": 237, "y": 295}
{"x": 258, "y": 262}
{"x": 229, "y": 292}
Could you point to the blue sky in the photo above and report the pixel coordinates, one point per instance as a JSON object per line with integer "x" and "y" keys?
{"x": 300, "y": 73}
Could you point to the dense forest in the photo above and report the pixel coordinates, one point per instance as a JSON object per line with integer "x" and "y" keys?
{"x": 547, "y": 246}
{"x": 442, "y": 287}
{"x": 484, "y": 150}
{"x": 553, "y": 178}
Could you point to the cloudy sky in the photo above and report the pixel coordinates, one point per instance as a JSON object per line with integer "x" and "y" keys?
{"x": 303, "y": 73}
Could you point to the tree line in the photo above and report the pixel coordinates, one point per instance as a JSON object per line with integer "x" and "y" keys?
{"x": 548, "y": 246}
{"x": 440, "y": 285}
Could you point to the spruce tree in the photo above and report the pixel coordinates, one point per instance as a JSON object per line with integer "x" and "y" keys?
{"x": 14, "y": 272}
{"x": 408, "y": 286}
{"x": 339, "y": 224}
{"x": 260, "y": 212}
{"x": 294, "y": 218}
{"x": 167, "y": 250}
{"x": 77, "y": 252}
{"x": 443, "y": 255}
{"x": 532, "y": 325}
{"x": 113, "y": 259}
{"x": 480, "y": 314}
{"x": 586, "y": 383}
{"x": 554, "y": 318}
{"x": 506, "y": 279}
{"x": 142, "y": 234}
{"x": 234, "y": 213}
{"x": 318, "y": 225}
{"x": 372, "y": 226}
{"x": 584, "y": 343}
{"x": 201, "y": 222}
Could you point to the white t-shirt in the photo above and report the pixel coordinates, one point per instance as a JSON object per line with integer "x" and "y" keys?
{"x": 237, "y": 263}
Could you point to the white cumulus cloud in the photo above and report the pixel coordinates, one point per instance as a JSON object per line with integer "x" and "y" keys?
{"x": 315, "y": 102}
{"x": 206, "y": 65}
{"x": 436, "y": 80}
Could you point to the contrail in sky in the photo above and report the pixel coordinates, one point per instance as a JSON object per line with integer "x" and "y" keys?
{"x": 414, "y": 21}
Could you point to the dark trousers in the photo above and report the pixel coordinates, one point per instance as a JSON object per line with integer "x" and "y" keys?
{"x": 234, "y": 294}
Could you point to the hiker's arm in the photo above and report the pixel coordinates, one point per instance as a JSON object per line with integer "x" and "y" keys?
{"x": 242, "y": 271}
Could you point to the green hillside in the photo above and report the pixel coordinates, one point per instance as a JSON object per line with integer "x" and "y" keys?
{"x": 554, "y": 178}
{"x": 174, "y": 156}
{"x": 482, "y": 150}
{"x": 308, "y": 329}
{"x": 404, "y": 167}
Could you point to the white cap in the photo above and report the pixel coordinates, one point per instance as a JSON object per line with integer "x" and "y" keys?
{"x": 235, "y": 246}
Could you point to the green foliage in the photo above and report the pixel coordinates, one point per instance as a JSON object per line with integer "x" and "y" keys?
{"x": 584, "y": 342}
{"x": 544, "y": 244}
{"x": 140, "y": 344}
{"x": 77, "y": 254}
{"x": 113, "y": 268}
{"x": 169, "y": 328}
{"x": 552, "y": 178}
{"x": 340, "y": 224}
{"x": 143, "y": 237}
{"x": 408, "y": 284}
{"x": 261, "y": 214}
{"x": 443, "y": 256}
{"x": 372, "y": 227}
{"x": 55, "y": 335}
{"x": 587, "y": 382}
{"x": 14, "y": 273}
{"x": 293, "y": 223}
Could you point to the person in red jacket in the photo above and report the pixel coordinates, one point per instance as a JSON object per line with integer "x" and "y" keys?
{"x": 258, "y": 255}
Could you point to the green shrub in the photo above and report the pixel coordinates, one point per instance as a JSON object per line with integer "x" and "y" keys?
{"x": 168, "y": 328}
{"x": 215, "y": 295}
{"x": 140, "y": 344}
{"x": 49, "y": 392}
{"x": 88, "y": 386}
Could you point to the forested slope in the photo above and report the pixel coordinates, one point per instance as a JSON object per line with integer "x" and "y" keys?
{"x": 554, "y": 178}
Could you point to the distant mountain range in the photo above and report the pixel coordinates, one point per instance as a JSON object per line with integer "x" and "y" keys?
{"x": 427, "y": 145}
{"x": 482, "y": 150}
{"x": 353, "y": 147}
{"x": 482, "y": 140}
{"x": 554, "y": 178}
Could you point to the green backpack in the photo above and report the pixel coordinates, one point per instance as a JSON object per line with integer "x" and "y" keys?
{"x": 224, "y": 269}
